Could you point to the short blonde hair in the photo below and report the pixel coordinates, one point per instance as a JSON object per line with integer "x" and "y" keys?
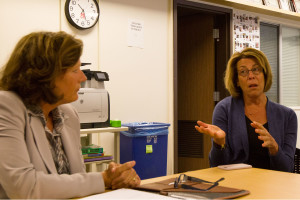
{"x": 231, "y": 73}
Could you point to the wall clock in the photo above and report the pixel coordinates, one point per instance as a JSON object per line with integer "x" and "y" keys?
{"x": 82, "y": 14}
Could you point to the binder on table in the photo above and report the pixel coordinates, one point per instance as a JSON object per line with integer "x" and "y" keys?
{"x": 166, "y": 187}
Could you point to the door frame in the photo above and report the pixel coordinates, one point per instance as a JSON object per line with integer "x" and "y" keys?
{"x": 197, "y": 6}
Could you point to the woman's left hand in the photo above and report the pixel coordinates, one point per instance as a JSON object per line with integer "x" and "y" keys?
{"x": 264, "y": 135}
{"x": 121, "y": 176}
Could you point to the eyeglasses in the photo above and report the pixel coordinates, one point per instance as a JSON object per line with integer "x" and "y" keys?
{"x": 183, "y": 178}
{"x": 255, "y": 71}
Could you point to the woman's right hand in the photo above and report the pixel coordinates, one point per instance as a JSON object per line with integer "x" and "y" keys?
{"x": 213, "y": 131}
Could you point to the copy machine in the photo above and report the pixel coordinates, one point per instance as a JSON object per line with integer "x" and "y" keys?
{"x": 93, "y": 104}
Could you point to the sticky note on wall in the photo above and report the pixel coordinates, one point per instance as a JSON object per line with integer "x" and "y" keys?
{"x": 149, "y": 149}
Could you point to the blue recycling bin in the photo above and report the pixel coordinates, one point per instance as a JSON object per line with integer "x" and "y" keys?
{"x": 147, "y": 144}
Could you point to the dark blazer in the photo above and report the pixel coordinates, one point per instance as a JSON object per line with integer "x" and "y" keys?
{"x": 229, "y": 115}
{"x": 27, "y": 169}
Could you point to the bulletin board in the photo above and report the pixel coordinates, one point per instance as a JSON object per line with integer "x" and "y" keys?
{"x": 246, "y": 31}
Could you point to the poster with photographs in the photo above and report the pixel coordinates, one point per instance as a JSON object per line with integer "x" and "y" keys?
{"x": 246, "y": 31}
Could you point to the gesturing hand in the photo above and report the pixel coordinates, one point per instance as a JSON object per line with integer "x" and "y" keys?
{"x": 121, "y": 176}
{"x": 264, "y": 135}
{"x": 213, "y": 131}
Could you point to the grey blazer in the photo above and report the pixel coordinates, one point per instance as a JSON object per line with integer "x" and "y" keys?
{"x": 27, "y": 169}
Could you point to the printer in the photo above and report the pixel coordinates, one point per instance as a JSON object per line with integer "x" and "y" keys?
{"x": 93, "y": 104}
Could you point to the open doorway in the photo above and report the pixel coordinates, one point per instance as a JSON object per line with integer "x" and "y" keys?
{"x": 201, "y": 51}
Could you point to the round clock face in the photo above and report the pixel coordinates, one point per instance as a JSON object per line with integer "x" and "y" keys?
{"x": 82, "y": 14}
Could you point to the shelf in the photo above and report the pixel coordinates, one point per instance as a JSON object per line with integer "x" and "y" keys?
{"x": 98, "y": 162}
{"x": 116, "y": 131}
{"x": 105, "y": 129}
{"x": 257, "y": 8}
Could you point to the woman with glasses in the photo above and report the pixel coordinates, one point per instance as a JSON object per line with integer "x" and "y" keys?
{"x": 247, "y": 127}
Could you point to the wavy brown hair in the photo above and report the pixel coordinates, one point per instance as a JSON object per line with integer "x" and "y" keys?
{"x": 36, "y": 61}
{"x": 231, "y": 73}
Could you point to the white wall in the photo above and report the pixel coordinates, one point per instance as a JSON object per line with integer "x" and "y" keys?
{"x": 139, "y": 77}
{"x": 22, "y": 17}
{"x": 140, "y": 85}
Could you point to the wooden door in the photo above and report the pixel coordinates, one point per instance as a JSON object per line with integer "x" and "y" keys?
{"x": 196, "y": 78}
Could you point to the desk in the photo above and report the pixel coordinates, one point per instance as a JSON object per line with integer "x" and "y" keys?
{"x": 262, "y": 184}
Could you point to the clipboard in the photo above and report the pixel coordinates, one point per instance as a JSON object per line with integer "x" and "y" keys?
{"x": 166, "y": 187}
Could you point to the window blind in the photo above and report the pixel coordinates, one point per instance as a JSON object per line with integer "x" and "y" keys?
{"x": 290, "y": 66}
{"x": 269, "y": 38}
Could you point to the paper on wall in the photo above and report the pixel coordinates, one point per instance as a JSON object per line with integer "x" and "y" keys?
{"x": 135, "y": 35}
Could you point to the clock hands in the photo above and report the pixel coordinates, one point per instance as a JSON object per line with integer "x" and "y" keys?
{"x": 81, "y": 8}
{"x": 82, "y": 14}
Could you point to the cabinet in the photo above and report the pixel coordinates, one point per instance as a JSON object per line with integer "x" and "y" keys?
{"x": 94, "y": 166}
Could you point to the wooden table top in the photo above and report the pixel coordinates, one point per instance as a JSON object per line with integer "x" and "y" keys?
{"x": 262, "y": 183}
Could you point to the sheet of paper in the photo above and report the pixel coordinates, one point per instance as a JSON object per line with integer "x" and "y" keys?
{"x": 135, "y": 35}
{"x": 235, "y": 166}
{"x": 128, "y": 194}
